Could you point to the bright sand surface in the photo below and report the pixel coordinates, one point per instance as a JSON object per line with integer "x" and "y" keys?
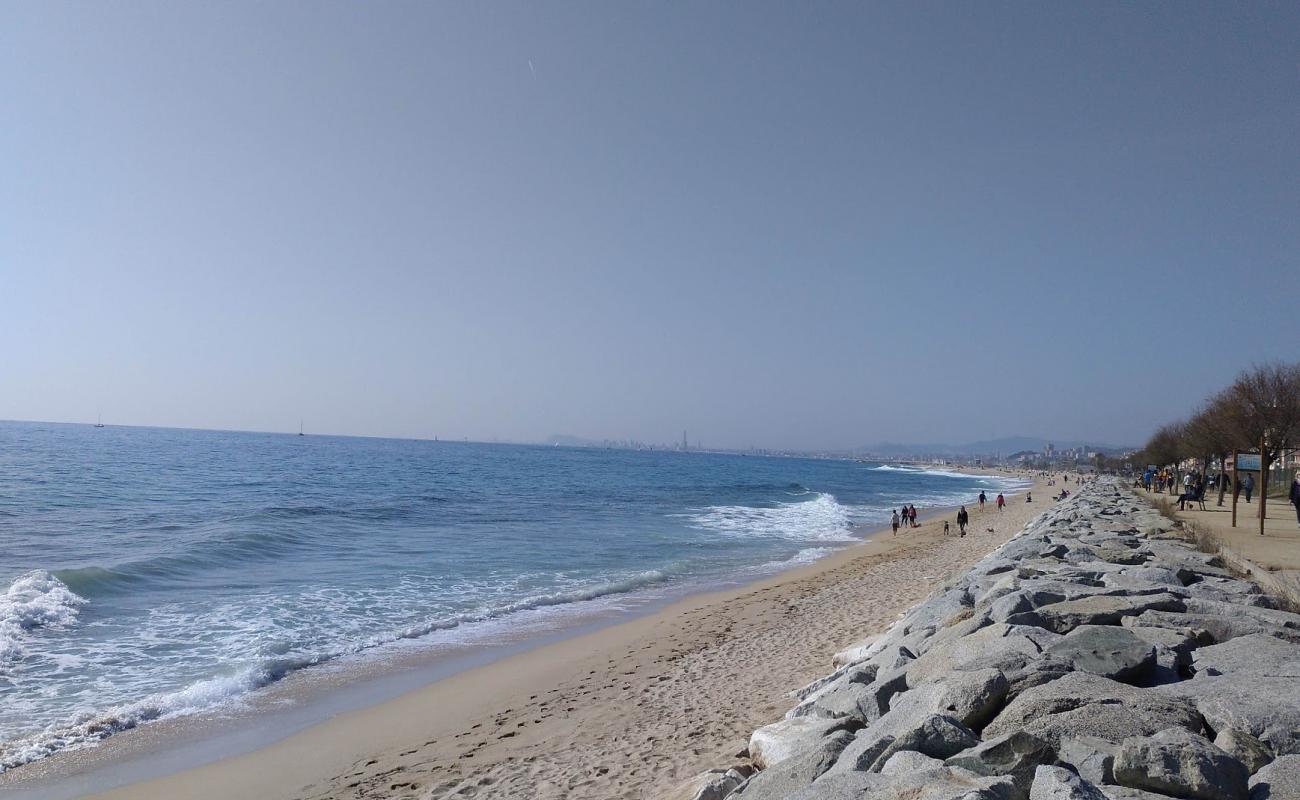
{"x": 625, "y": 711}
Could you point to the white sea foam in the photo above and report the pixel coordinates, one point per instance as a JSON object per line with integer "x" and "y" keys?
{"x": 86, "y": 729}
{"x": 35, "y": 600}
{"x": 89, "y": 728}
{"x": 819, "y": 519}
{"x": 804, "y": 556}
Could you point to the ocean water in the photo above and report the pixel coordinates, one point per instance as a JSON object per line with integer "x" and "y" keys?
{"x": 147, "y": 573}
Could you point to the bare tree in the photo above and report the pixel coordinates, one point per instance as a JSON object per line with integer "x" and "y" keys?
{"x": 1262, "y": 408}
{"x": 1209, "y": 434}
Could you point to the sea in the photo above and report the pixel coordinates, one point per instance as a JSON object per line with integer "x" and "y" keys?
{"x": 150, "y": 573}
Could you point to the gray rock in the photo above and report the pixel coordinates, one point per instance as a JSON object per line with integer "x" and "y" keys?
{"x": 1215, "y": 627}
{"x": 1142, "y": 577}
{"x": 1092, "y": 758}
{"x": 855, "y": 653}
{"x": 836, "y": 785}
{"x": 1015, "y": 754}
{"x": 715, "y": 784}
{"x": 863, "y": 752}
{"x": 851, "y": 673}
{"x": 794, "y": 773}
{"x": 1182, "y": 764}
{"x": 847, "y": 698}
{"x": 1267, "y": 708}
{"x": 774, "y": 743}
{"x": 1271, "y": 616}
{"x": 1010, "y": 605}
{"x": 1253, "y": 654}
{"x": 1067, "y": 615}
{"x": 1127, "y": 793}
{"x": 1245, "y": 748}
{"x": 1106, "y": 650}
{"x": 970, "y": 697}
{"x": 936, "y": 736}
{"x": 908, "y": 761}
{"x": 936, "y": 783}
{"x": 1058, "y": 783}
{"x": 1277, "y": 781}
{"x": 1083, "y": 704}
{"x": 995, "y": 646}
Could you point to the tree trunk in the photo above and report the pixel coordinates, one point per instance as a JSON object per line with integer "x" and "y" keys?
{"x": 1223, "y": 477}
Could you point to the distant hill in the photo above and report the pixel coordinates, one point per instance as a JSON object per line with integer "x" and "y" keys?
{"x": 1004, "y": 446}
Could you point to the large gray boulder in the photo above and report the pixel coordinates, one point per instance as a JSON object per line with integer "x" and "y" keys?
{"x": 1263, "y": 706}
{"x": 855, "y": 653}
{"x": 1143, "y": 578}
{"x": 1214, "y": 627}
{"x": 1182, "y": 764}
{"x": 970, "y": 697}
{"x": 1106, "y": 650}
{"x": 714, "y": 784}
{"x": 1245, "y": 748}
{"x": 851, "y": 673}
{"x": 774, "y": 743}
{"x": 1278, "y": 781}
{"x": 1016, "y": 754}
{"x": 1083, "y": 704}
{"x": 1058, "y": 783}
{"x": 935, "y": 783}
{"x": 905, "y": 761}
{"x": 848, "y": 697}
{"x": 1129, "y": 793}
{"x": 996, "y": 646}
{"x": 1253, "y": 654}
{"x": 936, "y": 736}
{"x": 791, "y": 774}
{"x": 1067, "y": 615}
{"x": 1092, "y": 758}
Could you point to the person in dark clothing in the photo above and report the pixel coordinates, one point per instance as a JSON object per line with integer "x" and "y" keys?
{"x": 963, "y": 519}
{"x": 1295, "y": 496}
{"x": 1248, "y": 486}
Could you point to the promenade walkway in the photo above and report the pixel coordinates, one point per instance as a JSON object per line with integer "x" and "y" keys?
{"x": 1277, "y": 549}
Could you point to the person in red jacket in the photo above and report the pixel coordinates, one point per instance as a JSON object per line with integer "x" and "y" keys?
{"x": 1002, "y": 501}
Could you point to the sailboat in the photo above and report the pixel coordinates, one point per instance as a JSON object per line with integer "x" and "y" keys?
{"x": 99, "y": 420}
{"x": 300, "y": 433}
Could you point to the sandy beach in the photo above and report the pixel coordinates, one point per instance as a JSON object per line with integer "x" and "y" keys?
{"x": 625, "y": 711}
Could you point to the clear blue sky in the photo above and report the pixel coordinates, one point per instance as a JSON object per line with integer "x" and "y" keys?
{"x": 774, "y": 224}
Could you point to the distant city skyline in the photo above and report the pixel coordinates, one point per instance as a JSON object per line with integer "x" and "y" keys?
{"x": 770, "y": 224}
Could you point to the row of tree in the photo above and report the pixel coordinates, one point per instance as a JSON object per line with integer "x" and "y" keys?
{"x": 1259, "y": 412}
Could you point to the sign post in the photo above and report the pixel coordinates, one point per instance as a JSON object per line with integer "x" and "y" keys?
{"x": 1263, "y": 486}
{"x": 1236, "y": 487}
{"x": 1247, "y": 462}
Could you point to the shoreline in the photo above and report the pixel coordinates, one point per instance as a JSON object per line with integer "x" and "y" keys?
{"x": 321, "y": 748}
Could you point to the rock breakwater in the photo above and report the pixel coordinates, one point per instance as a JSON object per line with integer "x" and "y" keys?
{"x": 1094, "y": 656}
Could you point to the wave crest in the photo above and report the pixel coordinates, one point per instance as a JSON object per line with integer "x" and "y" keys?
{"x": 819, "y": 519}
{"x": 34, "y": 600}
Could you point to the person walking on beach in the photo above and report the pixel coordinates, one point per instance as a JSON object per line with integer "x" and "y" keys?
{"x": 894, "y": 522}
{"x": 982, "y": 499}
{"x": 963, "y": 519}
{"x": 911, "y": 515}
{"x": 1248, "y": 485}
{"x": 1001, "y": 501}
